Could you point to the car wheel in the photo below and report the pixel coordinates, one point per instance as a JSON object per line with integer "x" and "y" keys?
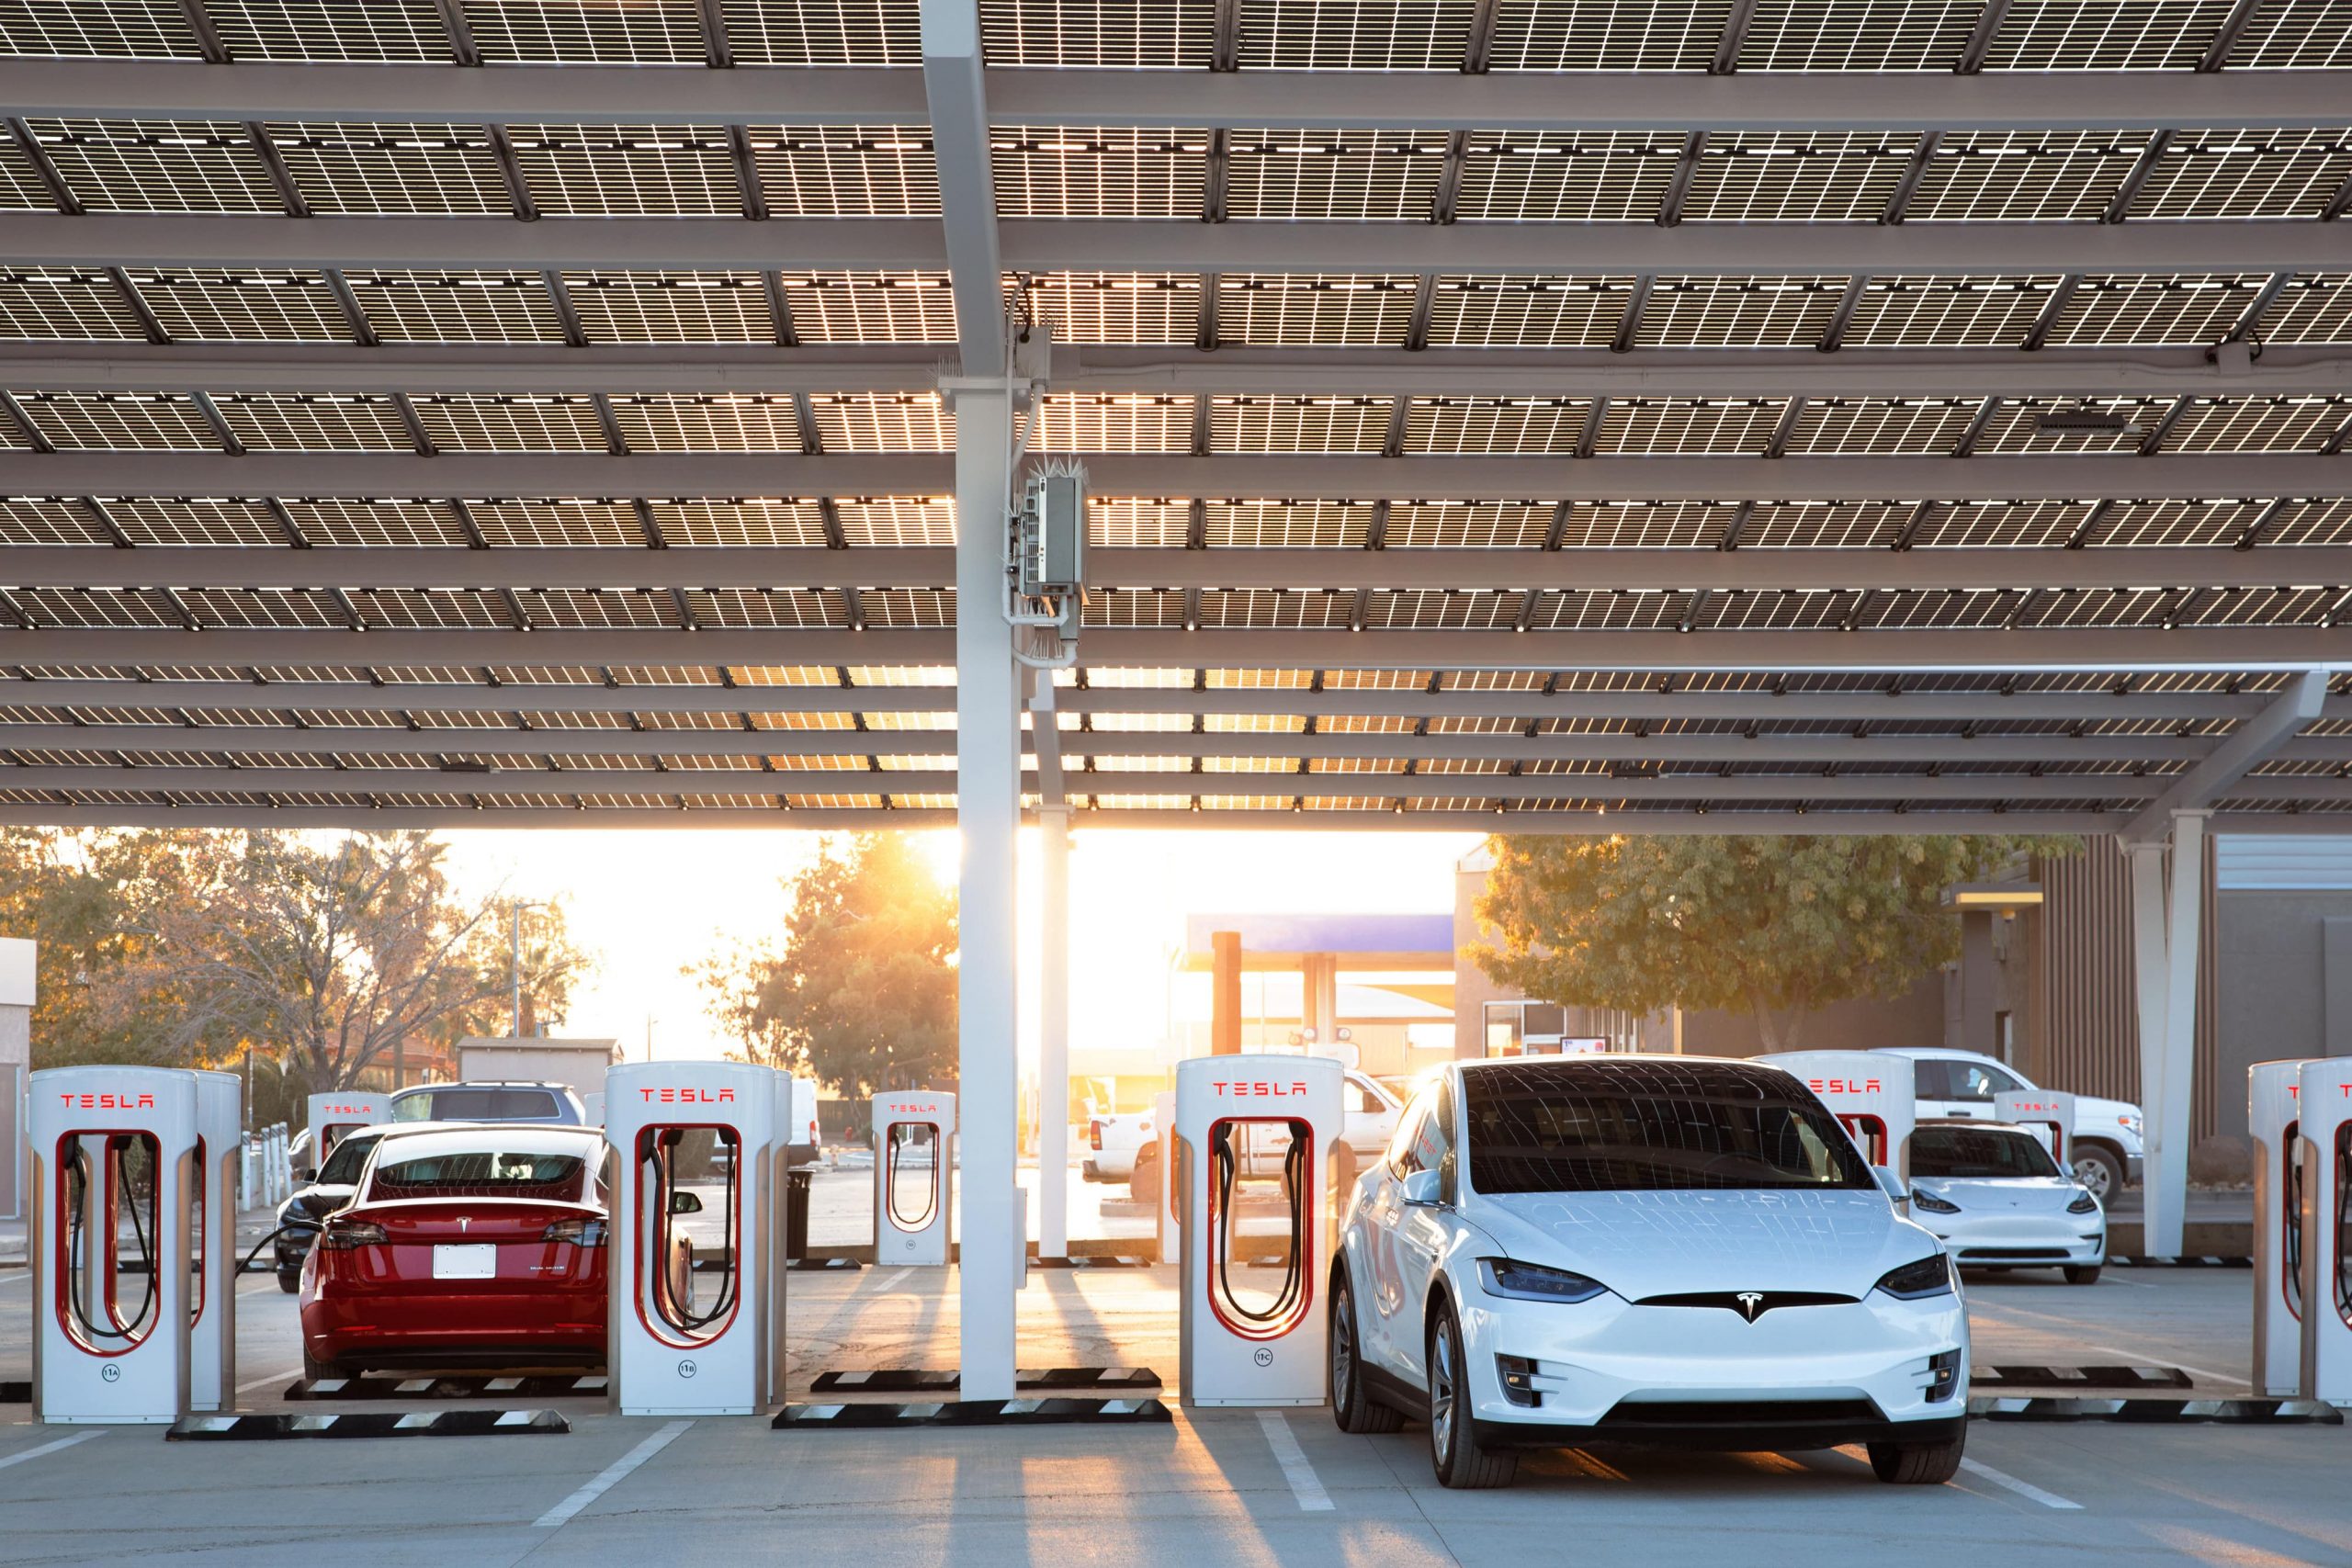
{"x": 289, "y": 1280}
{"x": 316, "y": 1370}
{"x": 2084, "y": 1274}
{"x": 1143, "y": 1186}
{"x": 2098, "y": 1169}
{"x": 1461, "y": 1461}
{"x": 1918, "y": 1464}
{"x": 1351, "y": 1405}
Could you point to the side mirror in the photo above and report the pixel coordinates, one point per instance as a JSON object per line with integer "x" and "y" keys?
{"x": 1891, "y": 1184}
{"x": 684, "y": 1203}
{"x": 1421, "y": 1189}
{"x": 305, "y": 1173}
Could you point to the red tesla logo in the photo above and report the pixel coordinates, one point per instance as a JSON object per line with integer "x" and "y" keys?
{"x": 2031, "y": 1105}
{"x": 108, "y": 1101}
{"x": 350, "y": 1110}
{"x": 689, "y": 1096}
{"x": 1846, "y": 1086}
{"x": 910, "y": 1108}
{"x": 1242, "y": 1090}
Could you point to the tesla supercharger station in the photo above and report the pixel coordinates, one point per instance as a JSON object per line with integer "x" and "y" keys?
{"x": 113, "y": 1150}
{"x": 914, "y": 1145}
{"x": 2049, "y": 1111}
{"x": 213, "y": 1313}
{"x": 335, "y": 1116}
{"x": 1242, "y": 1346}
{"x": 1874, "y": 1095}
{"x": 2323, "y": 1101}
{"x": 698, "y": 1174}
{"x": 2272, "y": 1092}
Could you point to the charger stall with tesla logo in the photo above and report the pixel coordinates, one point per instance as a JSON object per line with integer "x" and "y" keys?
{"x": 114, "y": 1175}
{"x": 2273, "y": 1089}
{"x": 1874, "y": 1096}
{"x": 914, "y": 1168}
{"x": 699, "y": 1179}
{"x": 1248, "y": 1342}
{"x": 213, "y": 1313}
{"x": 2323, "y": 1101}
{"x": 2049, "y": 1111}
{"x": 334, "y": 1117}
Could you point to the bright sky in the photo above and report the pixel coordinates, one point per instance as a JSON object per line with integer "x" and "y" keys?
{"x": 651, "y": 902}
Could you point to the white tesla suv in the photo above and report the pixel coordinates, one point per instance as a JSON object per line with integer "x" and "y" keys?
{"x": 1646, "y": 1250}
{"x": 1998, "y": 1200}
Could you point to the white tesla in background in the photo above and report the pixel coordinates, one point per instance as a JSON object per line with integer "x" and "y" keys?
{"x": 1649, "y": 1250}
{"x": 1998, "y": 1200}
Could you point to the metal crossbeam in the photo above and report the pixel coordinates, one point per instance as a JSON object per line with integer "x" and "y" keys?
{"x": 1596, "y": 569}
{"x": 956, "y": 104}
{"x": 2228, "y": 648}
{"x": 159, "y": 89}
{"x": 666, "y": 474}
{"x": 1043, "y": 246}
{"x": 619, "y": 369}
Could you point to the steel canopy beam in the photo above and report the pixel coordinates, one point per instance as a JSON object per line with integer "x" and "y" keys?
{"x": 2223, "y": 772}
{"x": 701, "y": 369}
{"x": 2232, "y": 649}
{"x": 958, "y": 108}
{"x": 150, "y": 89}
{"x": 1042, "y": 246}
{"x": 81, "y": 566}
{"x": 2236, "y": 476}
{"x": 1645, "y": 704}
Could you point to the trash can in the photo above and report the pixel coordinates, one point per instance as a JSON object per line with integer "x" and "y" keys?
{"x": 796, "y": 1212}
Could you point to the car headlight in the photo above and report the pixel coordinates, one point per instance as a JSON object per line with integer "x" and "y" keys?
{"x": 1928, "y": 1202}
{"x": 1928, "y": 1276}
{"x": 2084, "y": 1203}
{"x": 1533, "y": 1282}
{"x": 2129, "y": 1124}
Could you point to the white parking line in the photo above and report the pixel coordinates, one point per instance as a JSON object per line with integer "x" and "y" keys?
{"x": 891, "y": 1282}
{"x": 1305, "y": 1484}
{"x": 272, "y": 1376}
{"x": 612, "y": 1473}
{"x": 2025, "y": 1489}
{"x": 49, "y": 1447}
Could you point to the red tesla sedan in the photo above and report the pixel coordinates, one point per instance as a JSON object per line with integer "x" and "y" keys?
{"x": 463, "y": 1246}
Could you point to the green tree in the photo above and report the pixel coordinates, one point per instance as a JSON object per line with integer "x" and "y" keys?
{"x": 78, "y": 895}
{"x": 324, "y": 957}
{"x": 1774, "y": 927}
{"x": 861, "y": 992}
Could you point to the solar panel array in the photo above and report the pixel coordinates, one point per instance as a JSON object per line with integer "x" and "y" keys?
{"x": 1537, "y": 414}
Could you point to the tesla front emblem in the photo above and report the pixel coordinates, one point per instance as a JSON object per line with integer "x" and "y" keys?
{"x": 1750, "y": 1304}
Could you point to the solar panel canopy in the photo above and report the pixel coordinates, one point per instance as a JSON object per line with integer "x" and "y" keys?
{"x": 1534, "y": 415}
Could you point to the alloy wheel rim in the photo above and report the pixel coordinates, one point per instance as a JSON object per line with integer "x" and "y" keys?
{"x": 1441, "y": 1393}
{"x": 2093, "y": 1175}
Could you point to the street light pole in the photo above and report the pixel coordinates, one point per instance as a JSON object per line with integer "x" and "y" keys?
{"x": 514, "y": 907}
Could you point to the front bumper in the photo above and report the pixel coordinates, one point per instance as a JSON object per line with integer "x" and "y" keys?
{"x": 2048, "y": 1241}
{"x": 291, "y": 1249}
{"x": 1796, "y": 1377}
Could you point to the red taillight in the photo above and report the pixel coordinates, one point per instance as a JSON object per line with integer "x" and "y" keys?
{"x": 1094, "y": 1135}
{"x": 579, "y": 1233}
{"x": 344, "y": 1235}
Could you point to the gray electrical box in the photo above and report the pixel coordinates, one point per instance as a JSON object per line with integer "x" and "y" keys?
{"x": 1054, "y": 564}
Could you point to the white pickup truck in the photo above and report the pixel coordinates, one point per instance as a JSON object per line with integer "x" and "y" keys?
{"x": 1127, "y": 1147}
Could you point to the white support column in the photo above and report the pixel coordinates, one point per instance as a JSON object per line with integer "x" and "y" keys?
{"x": 2165, "y": 933}
{"x": 1053, "y": 1030}
{"x": 987, "y": 813}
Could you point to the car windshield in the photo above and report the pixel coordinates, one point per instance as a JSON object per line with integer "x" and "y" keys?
{"x": 1650, "y": 1127}
{"x": 511, "y": 1167}
{"x": 344, "y": 1165}
{"x": 1978, "y": 1151}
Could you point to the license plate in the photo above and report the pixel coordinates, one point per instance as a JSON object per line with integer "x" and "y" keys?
{"x": 479, "y": 1261}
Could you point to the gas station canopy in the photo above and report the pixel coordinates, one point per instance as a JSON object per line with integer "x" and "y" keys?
{"x": 1525, "y": 414}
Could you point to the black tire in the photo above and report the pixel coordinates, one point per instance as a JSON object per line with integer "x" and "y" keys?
{"x": 316, "y": 1370}
{"x": 1918, "y": 1464}
{"x": 2082, "y": 1274}
{"x": 2099, "y": 1169}
{"x": 1352, "y": 1406}
{"x": 1462, "y": 1463}
{"x": 1143, "y": 1184}
{"x": 289, "y": 1280}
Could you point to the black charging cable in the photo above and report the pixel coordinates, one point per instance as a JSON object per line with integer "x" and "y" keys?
{"x": 679, "y": 1314}
{"x": 74, "y": 1303}
{"x": 1294, "y": 1283}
